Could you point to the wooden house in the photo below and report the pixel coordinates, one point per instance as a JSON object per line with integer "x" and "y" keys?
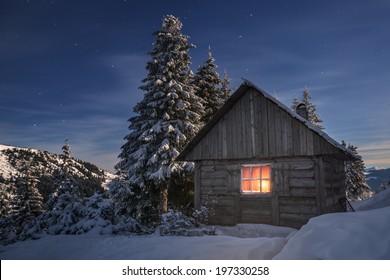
{"x": 263, "y": 163}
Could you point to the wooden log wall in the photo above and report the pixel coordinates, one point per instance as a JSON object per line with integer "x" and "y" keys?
{"x": 299, "y": 191}
{"x": 295, "y": 186}
{"x": 334, "y": 184}
{"x": 219, "y": 187}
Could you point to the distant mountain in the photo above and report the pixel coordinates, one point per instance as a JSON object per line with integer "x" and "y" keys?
{"x": 43, "y": 165}
{"x": 376, "y": 177}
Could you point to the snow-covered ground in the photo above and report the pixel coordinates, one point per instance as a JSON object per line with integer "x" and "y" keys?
{"x": 357, "y": 235}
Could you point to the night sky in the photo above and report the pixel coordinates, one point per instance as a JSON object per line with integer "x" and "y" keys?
{"x": 71, "y": 69}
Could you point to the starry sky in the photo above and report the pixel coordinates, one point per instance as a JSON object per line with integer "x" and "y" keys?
{"x": 71, "y": 69}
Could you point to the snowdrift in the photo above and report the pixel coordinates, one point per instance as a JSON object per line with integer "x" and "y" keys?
{"x": 357, "y": 235}
{"x": 379, "y": 200}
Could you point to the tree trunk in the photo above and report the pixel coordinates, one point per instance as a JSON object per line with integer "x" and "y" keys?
{"x": 164, "y": 198}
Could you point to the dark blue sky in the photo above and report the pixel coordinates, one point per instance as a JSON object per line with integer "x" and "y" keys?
{"x": 71, "y": 69}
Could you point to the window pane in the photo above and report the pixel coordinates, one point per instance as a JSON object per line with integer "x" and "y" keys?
{"x": 266, "y": 172}
{"x": 265, "y": 186}
{"x": 256, "y": 172}
{"x": 256, "y": 179}
{"x": 255, "y": 185}
{"x": 246, "y": 185}
{"x": 246, "y": 172}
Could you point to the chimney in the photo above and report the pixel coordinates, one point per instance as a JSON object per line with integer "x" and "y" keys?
{"x": 302, "y": 111}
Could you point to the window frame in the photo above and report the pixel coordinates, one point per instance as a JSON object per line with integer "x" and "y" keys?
{"x": 261, "y": 179}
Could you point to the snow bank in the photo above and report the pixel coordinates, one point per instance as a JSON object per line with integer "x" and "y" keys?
{"x": 379, "y": 200}
{"x": 357, "y": 235}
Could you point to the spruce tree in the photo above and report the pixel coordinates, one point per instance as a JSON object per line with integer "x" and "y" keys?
{"x": 313, "y": 117}
{"x": 30, "y": 201}
{"x": 63, "y": 180}
{"x": 355, "y": 180}
{"x": 166, "y": 120}
{"x": 9, "y": 206}
{"x": 208, "y": 87}
{"x": 66, "y": 150}
{"x": 14, "y": 198}
{"x": 225, "y": 90}
{"x": 295, "y": 103}
{"x": 64, "y": 207}
{"x": 5, "y": 198}
{"x": 35, "y": 199}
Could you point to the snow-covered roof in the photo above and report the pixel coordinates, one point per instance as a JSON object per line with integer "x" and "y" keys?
{"x": 236, "y": 96}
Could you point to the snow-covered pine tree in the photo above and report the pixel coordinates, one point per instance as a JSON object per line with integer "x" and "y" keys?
{"x": 167, "y": 119}
{"x": 225, "y": 90}
{"x": 313, "y": 117}
{"x": 66, "y": 150}
{"x": 64, "y": 207}
{"x": 295, "y": 103}
{"x": 357, "y": 187}
{"x": 208, "y": 87}
{"x": 29, "y": 199}
{"x": 63, "y": 180}
{"x": 13, "y": 197}
{"x": 35, "y": 199}
{"x": 9, "y": 206}
{"x": 5, "y": 198}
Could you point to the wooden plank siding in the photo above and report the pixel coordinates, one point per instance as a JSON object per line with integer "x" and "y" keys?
{"x": 334, "y": 184}
{"x": 293, "y": 200}
{"x": 257, "y": 128}
{"x": 263, "y": 138}
{"x": 255, "y": 209}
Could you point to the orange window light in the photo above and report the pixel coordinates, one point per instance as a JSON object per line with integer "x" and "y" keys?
{"x": 256, "y": 178}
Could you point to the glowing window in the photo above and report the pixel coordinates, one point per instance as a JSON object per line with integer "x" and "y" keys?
{"x": 256, "y": 178}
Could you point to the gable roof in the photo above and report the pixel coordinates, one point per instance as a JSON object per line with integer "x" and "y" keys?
{"x": 233, "y": 99}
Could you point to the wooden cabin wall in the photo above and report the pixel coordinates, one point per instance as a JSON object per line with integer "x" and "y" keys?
{"x": 334, "y": 184}
{"x": 307, "y": 187}
{"x": 255, "y": 127}
{"x": 298, "y": 192}
{"x": 296, "y": 188}
{"x": 217, "y": 185}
